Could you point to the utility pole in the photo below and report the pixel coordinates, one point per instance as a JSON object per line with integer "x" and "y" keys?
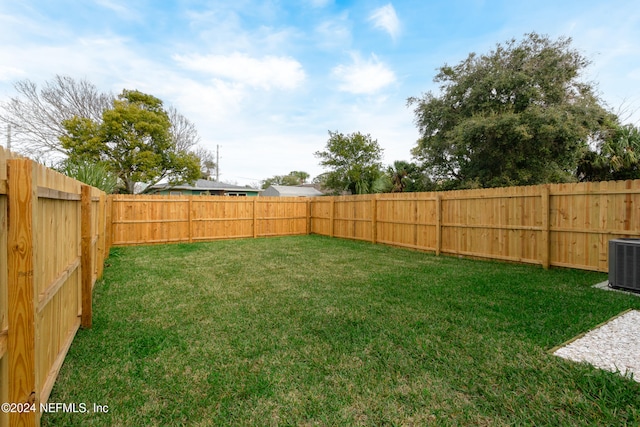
{"x": 8, "y": 137}
{"x": 217, "y": 163}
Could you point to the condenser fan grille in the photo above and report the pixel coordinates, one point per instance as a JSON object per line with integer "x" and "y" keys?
{"x": 624, "y": 264}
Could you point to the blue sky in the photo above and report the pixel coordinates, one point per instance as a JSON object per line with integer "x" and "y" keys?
{"x": 267, "y": 80}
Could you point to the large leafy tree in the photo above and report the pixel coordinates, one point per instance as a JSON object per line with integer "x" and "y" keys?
{"x": 134, "y": 139}
{"x": 354, "y": 163}
{"x": 517, "y": 115}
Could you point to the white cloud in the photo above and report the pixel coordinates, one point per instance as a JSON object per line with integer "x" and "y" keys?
{"x": 121, "y": 9}
{"x": 385, "y": 18}
{"x": 267, "y": 73}
{"x": 334, "y": 33}
{"x": 215, "y": 102}
{"x": 9, "y": 73}
{"x": 363, "y": 77}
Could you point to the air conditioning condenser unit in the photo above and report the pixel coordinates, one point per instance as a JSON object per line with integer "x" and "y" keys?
{"x": 624, "y": 264}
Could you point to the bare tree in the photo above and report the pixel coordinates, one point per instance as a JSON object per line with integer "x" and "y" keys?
{"x": 184, "y": 132}
{"x": 627, "y": 111}
{"x": 185, "y": 137}
{"x": 207, "y": 162}
{"x": 36, "y": 115}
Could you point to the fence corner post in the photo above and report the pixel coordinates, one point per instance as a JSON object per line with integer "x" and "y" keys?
{"x": 22, "y": 198}
{"x": 86, "y": 254}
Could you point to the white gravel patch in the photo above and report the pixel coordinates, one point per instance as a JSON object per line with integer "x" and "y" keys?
{"x": 614, "y": 346}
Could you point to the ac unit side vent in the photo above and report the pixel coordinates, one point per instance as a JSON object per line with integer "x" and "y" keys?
{"x": 624, "y": 264}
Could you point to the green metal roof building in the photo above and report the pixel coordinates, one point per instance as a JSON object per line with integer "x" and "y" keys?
{"x": 203, "y": 187}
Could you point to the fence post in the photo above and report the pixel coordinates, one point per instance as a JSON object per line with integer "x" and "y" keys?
{"x": 190, "y": 213}
{"x": 108, "y": 225}
{"x": 415, "y": 221}
{"x": 22, "y": 203}
{"x": 438, "y": 223}
{"x": 86, "y": 257}
{"x": 308, "y": 216}
{"x": 255, "y": 215}
{"x": 374, "y": 218}
{"x": 545, "y": 226}
{"x": 331, "y": 216}
{"x": 100, "y": 252}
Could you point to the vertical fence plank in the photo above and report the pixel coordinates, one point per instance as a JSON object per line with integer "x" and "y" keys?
{"x": 86, "y": 257}
{"x": 22, "y": 201}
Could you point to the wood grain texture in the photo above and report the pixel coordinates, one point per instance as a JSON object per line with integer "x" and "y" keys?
{"x": 40, "y": 283}
{"x": 22, "y": 198}
{"x": 86, "y": 258}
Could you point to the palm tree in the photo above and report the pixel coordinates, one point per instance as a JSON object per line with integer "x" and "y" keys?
{"x": 623, "y": 152}
{"x": 399, "y": 174}
{"x": 618, "y": 157}
{"x": 95, "y": 174}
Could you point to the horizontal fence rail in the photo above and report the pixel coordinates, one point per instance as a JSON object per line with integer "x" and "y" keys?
{"x": 564, "y": 225}
{"x": 52, "y": 246}
{"x": 141, "y": 219}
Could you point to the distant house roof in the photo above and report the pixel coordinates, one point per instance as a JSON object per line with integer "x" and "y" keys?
{"x": 202, "y": 185}
{"x": 290, "y": 191}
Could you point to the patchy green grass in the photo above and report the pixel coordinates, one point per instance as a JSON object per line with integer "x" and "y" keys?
{"x": 312, "y": 331}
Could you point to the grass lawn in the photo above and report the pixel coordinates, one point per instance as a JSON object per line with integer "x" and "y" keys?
{"x": 309, "y": 330}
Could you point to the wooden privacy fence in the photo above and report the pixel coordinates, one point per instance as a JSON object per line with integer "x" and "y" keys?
{"x": 55, "y": 233}
{"x": 53, "y": 242}
{"x": 565, "y": 225}
{"x": 145, "y": 219}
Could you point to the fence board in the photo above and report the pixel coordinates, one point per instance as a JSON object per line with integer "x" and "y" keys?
{"x": 21, "y": 332}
